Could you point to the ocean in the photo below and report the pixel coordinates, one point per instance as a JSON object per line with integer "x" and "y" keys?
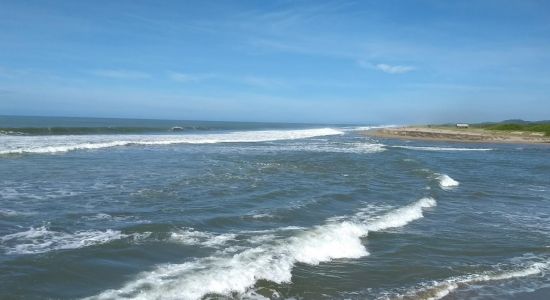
{"x": 128, "y": 209}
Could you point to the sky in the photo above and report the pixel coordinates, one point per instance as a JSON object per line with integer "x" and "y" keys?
{"x": 398, "y": 62}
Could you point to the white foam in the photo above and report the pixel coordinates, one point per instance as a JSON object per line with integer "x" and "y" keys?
{"x": 356, "y": 147}
{"x": 446, "y": 182}
{"x": 44, "y": 193}
{"x": 439, "y": 289}
{"x": 41, "y": 239}
{"x": 115, "y": 218}
{"x": 441, "y": 148}
{"x": 270, "y": 261}
{"x": 54, "y": 144}
{"x": 367, "y": 148}
{"x": 402, "y": 216}
{"x": 190, "y": 236}
{"x": 363, "y": 128}
{"x": 263, "y": 216}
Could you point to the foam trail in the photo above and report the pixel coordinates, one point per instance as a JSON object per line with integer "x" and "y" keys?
{"x": 41, "y": 239}
{"x": 272, "y": 262}
{"x": 441, "y": 148}
{"x": 440, "y": 289}
{"x": 189, "y": 236}
{"x": 446, "y": 182}
{"x": 359, "y": 148}
{"x": 53, "y": 144}
{"x": 363, "y": 128}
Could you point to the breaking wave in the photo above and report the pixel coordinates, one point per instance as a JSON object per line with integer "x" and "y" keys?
{"x": 426, "y": 148}
{"x": 446, "y": 182}
{"x": 363, "y": 128}
{"x": 356, "y": 147}
{"x": 189, "y": 236}
{"x": 270, "y": 261}
{"x": 53, "y": 144}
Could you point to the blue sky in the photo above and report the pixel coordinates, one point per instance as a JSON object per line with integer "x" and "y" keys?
{"x": 298, "y": 61}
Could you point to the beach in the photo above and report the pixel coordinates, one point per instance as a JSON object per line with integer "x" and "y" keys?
{"x": 447, "y": 133}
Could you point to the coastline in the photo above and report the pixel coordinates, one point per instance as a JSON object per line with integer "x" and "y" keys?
{"x": 474, "y": 135}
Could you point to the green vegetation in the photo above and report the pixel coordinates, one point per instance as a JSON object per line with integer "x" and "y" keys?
{"x": 531, "y": 127}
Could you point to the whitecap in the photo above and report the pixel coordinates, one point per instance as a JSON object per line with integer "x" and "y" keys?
{"x": 356, "y": 147}
{"x": 425, "y": 148}
{"x": 41, "y": 239}
{"x": 363, "y": 128}
{"x": 54, "y": 144}
{"x": 190, "y": 236}
{"x": 446, "y": 182}
{"x": 270, "y": 261}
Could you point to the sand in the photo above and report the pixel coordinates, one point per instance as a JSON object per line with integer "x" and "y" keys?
{"x": 459, "y": 135}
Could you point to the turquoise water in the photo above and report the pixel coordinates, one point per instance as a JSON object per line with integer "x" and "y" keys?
{"x": 255, "y": 211}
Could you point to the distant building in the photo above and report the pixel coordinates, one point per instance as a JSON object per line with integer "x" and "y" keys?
{"x": 462, "y": 125}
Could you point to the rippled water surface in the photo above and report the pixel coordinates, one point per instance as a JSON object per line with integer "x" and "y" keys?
{"x": 261, "y": 211}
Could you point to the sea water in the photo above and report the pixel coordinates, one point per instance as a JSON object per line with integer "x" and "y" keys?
{"x": 128, "y": 209}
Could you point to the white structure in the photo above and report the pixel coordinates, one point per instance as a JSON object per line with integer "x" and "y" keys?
{"x": 462, "y": 125}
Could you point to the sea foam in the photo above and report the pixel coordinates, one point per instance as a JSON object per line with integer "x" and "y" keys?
{"x": 190, "y": 236}
{"x": 426, "y": 148}
{"x": 42, "y": 239}
{"x": 439, "y": 289}
{"x": 446, "y": 182}
{"x": 54, "y": 144}
{"x": 270, "y": 261}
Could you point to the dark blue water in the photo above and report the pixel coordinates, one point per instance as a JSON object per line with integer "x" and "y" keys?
{"x": 276, "y": 211}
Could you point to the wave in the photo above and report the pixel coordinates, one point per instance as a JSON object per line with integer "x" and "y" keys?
{"x": 363, "y": 128}
{"x": 20, "y": 145}
{"x": 356, "y": 147}
{"x": 60, "y": 130}
{"x": 446, "y": 182}
{"x": 41, "y": 240}
{"x": 441, "y": 148}
{"x": 21, "y": 192}
{"x": 439, "y": 289}
{"x": 190, "y": 236}
{"x": 270, "y": 261}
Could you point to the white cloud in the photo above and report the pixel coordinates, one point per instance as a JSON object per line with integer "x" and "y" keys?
{"x": 395, "y": 69}
{"x": 121, "y": 74}
{"x": 256, "y": 81}
{"x": 186, "y": 77}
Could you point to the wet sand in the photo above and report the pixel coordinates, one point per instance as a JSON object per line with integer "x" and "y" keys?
{"x": 459, "y": 135}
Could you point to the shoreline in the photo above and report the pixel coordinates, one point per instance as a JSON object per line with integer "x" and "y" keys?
{"x": 450, "y": 134}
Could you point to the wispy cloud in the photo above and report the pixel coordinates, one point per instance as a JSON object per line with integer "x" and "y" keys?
{"x": 256, "y": 81}
{"x": 390, "y": 69}
{"x": 188, "y": 78}
{"x": 262, "y": 82}
{"x": 121, "y": 74}
{"x": 394, "y": 69}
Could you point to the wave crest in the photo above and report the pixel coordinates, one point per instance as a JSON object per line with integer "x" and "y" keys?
{"x": 54, "y": 144}
{"x": 446, "y": 182}
{"x": 270, "y": 261}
